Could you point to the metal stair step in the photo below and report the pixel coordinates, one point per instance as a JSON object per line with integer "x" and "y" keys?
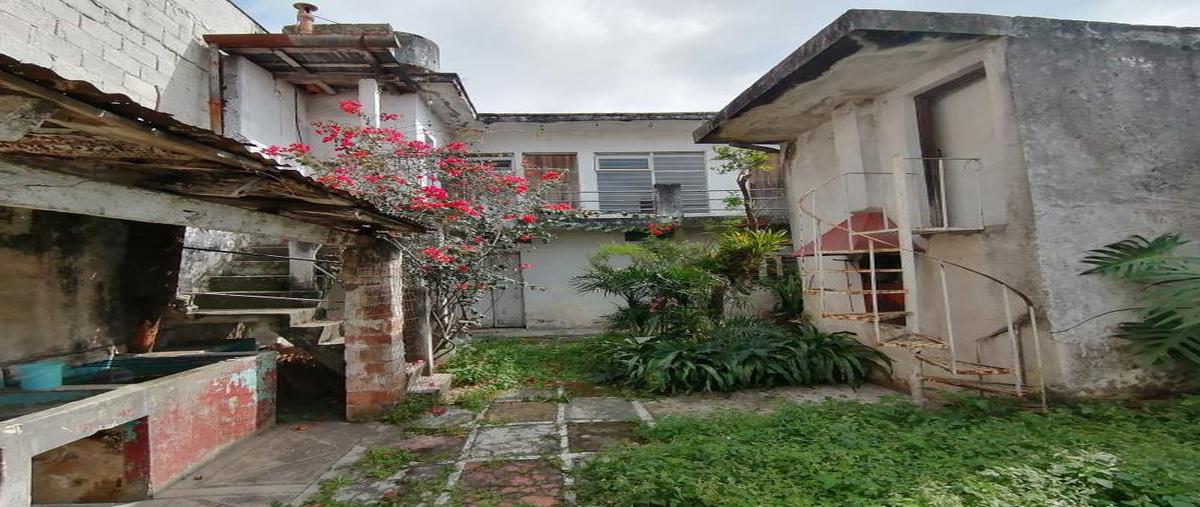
{"x": 997, "y": 388}
{"x": 864, "y": 317}
{"x": 814, "y": 292}
{"x": 914, "y": 341}
{"x": 961, "y": 367}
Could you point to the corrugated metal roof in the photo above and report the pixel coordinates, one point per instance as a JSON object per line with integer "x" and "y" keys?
{"x": 261, "y": 184}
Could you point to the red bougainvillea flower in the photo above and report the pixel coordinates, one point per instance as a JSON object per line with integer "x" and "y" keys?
{"x": 550, "y": 175}
{"x": 438, "y": 410}
{"x": 659, "y": 230}
{"x": 388, "y": 116}
{"x": 436, "y": 255}
{"x": 350, "y": 106}
{"x": 561, "y": 206}
{"x": 272, "y": 151}
{"x": 524, "y": 238}
{"x": 529, "y": 219}
{"x": 456, "y": 146}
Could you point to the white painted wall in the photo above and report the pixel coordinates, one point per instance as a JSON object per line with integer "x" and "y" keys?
{"x": 587, "y": 138}
{"x": 150, "y": 50}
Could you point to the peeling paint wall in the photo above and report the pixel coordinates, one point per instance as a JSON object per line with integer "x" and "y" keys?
{"x": 61, "y": 290}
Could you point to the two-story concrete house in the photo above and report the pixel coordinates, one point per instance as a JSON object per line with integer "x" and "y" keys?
{"x": 947, "y": 172}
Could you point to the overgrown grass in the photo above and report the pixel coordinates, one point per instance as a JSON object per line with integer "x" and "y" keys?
{"x": 384, "y": 462}
{"x": 491, "y": 365}
{"x": 852, "y": 454}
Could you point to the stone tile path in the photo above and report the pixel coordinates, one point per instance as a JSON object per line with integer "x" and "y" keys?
{"x": 518, "y": 451}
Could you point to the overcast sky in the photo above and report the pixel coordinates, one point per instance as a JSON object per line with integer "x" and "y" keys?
{"x": 646, "y": 55}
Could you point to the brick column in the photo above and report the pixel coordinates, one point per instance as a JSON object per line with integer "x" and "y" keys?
{"x": 375, "y": 379}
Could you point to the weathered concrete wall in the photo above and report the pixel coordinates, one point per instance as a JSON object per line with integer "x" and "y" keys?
{"x": 868, "y": 141}
{"x": 150, "y": 50}
{"x": 1107, "y": 122}
{"x": 189, "y": 418}
{"x": 198, "y": 265}
{"x": 61, "y": 291}
{"x": 554, "y": 304}
{"x": 260, "y": 109}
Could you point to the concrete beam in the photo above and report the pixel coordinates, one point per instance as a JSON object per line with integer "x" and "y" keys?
{"x": 368, "y": 96}
{"x": 29, "y": 187}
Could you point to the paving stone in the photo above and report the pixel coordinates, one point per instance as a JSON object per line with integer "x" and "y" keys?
{"x": 601, "y": 409}
{"x": 594, "y": 437}
{"x": 521, "y": 411}
{"x": 528, "y": 394}
{"x": 432, "y": 447}
{"x": 454, "y": 416}
{"x": 511, "y": 483}
{"x": 588, "y": 389}
{"x": 506, "y": 441}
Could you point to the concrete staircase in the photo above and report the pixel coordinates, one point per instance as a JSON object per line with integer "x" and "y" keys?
{"x": 251, "y": 296}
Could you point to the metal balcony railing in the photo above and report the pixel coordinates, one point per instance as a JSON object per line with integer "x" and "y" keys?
{"x": 769, "y": 202}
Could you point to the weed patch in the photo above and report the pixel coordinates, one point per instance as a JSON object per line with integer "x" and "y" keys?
{"x": 853, "y": 454}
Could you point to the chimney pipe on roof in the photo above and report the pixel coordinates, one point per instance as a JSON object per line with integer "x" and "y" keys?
{"x": 304, "y": 17}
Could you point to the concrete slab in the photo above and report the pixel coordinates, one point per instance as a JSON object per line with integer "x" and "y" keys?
{"x": 293, "y": 454}
{"x": 510, "y": 441}
{"x": 601, "y": 409}
{"x": 588, "y": 390}
{"x": 511, "y": 483}
{"x": 521, "y": 411}
{"x": 454, "y": 416}
{"x": 594, "y": 437}
{"x": 432, "y": 447}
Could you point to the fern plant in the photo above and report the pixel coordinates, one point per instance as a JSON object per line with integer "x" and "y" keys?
{"x": 1170, "y": 326}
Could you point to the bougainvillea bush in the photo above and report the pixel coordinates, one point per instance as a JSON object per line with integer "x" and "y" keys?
{"x": 472, "y": 209}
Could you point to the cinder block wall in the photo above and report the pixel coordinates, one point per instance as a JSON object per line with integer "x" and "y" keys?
{"x": 150, "y": 50}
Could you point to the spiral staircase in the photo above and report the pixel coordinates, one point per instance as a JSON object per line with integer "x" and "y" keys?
{"x": 862, "y": 260}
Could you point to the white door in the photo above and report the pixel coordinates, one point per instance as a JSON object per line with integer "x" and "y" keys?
{"x": 505, "y": 307}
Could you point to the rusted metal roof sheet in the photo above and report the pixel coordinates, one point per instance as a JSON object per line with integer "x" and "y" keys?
{"x": 228, "y": 172}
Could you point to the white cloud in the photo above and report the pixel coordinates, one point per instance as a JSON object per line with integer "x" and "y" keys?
{"x": 647, "y": 55}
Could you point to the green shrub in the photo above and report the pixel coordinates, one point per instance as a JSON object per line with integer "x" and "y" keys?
{"x": 741, "y": 353}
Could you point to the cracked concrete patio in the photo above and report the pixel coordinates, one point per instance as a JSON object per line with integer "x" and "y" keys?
{"x": 518, "y": 451}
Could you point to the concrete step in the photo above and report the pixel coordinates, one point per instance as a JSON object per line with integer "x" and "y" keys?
{"x": 318, "y": 338}
{"x": 224, "y": 283}
{"x": 249, "y": 282}
{"x": 257, "y": 299}
{"x": 281, "y": 249}
{"x": 285, "y": 317}
{"x": 255, "y": 267}
{"x": 436, "y": 386}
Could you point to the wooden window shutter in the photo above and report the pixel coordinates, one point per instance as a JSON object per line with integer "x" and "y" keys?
{"x": 567, "y": 189}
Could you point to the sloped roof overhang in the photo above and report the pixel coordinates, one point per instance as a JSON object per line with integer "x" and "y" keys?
{"x": 862, "y": 54}
{"x": 111, "y": 138}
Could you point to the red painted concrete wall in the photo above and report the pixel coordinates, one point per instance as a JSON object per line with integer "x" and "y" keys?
{"x": 198, "y": 419}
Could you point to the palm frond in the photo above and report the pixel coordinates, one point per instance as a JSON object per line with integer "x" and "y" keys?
{"x": 1133, "y": 257}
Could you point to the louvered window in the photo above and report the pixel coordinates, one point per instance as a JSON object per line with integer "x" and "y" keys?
{"x": 626, "y": 180}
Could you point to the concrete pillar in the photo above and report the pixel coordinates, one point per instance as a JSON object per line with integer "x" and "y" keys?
{"x": 668, "y": 199}
{"x": 424, "y": 329}
{"x": 368, "y": 96}
{"x": 855, "y": 144}
{"x": 374, "y": 324}
{"x": 302, "y": 274}
{"x": 16, "y": 477}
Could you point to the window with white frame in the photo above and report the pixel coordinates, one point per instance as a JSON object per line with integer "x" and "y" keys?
{"x": 625, "y": 181}
{"x": 501, "y": 162}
